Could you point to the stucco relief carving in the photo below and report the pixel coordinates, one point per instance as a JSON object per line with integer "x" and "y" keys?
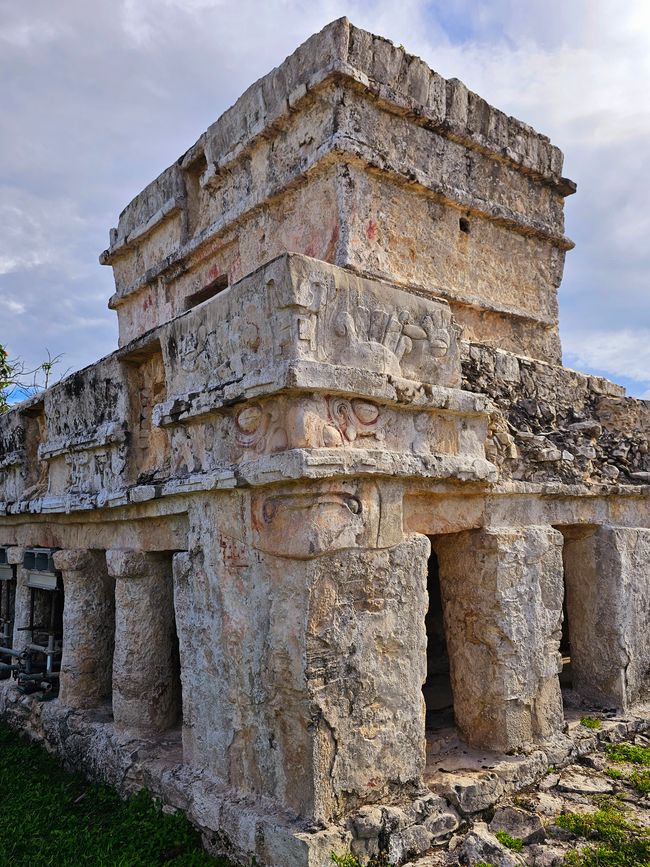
{"x": 224, "y": 341}
{"x": 302, "y": 523}
{"x": 352, "y": 419}
{"x": 271, "y": 426}
{"x": 321, "y": 422}
{"x": 366, "y": 330}
{"x": 302, "y": 313}
{"x": 262, "y": 428}
{"x": 96, "y": 470}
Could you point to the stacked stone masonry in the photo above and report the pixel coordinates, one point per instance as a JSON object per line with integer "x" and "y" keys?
{"x": 338, "y": 403}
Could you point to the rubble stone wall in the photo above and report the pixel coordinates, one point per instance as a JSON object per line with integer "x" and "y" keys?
{"x": 552, "y": 423}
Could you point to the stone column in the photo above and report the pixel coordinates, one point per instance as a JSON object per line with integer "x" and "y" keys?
{"x": 15, "y": 557}
{"x": 145, "y": 663}
{"x": 88, "y": 628}
{"x": 607, "y": 573}
{"x": 502, "y": 598}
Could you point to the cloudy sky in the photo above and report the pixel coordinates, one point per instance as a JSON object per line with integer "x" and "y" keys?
{"x": 96, "y": 98}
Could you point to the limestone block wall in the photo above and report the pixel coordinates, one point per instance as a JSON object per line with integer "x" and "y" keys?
{"x": 354, "y": 152}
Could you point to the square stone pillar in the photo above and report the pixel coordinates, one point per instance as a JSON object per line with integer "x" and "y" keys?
{"x": 302, "y": 673}
{"x": 502, "y": 599}
{"x": 146, "y": 688}
{"x": 607, "y": 573}
{"x": 88, "y": 628}
{"x": 15, "y": 557}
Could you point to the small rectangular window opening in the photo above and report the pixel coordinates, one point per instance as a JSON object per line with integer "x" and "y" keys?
{"x": 207, "y": 292}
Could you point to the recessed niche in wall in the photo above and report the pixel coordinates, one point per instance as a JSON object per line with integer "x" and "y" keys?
{"x": 148, "y": 445}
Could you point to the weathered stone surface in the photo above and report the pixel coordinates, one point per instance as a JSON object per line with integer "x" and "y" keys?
{"x": 409, "y": 843}
{"x": 340, "y": 638}
{"x": 520, "y": 824}
{"x": 502, "y": 595}
{"x": 89, "y": 624}
{"x": 481, "y": 846}
{"x": 473, "y": 793}
{"x": 609, "y": 613}
{"x": 15, "y": 555}
{"x": 442, "y": 823}
{"x": 145, "y": 663}
{"x": 583, "y": 782}
{"x": 558, "y": 424}
{"x": 338, "y": 336}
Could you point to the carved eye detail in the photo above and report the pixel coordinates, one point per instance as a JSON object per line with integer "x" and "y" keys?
{"x": 353, "y": 504}
{"x": 249, "y": 419}
{"x": 366, "y": 412}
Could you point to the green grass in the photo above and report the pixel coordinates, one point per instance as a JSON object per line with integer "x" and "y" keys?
{"x": 509, "y": 842}
{"x": 628, "y": 754}
{"x": 641, "y": 781}
{"x": 590, "y": 722}
{"x": 638, "y": 757}
{"x": 52, "y": 818}
{"x": 614, "y": 774}
{"x": 618, "y": 842}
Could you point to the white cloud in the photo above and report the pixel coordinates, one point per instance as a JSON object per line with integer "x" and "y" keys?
{"x": 27, "y": 33}
{"x": 625, "y": 353}
{"x": 37, "y": 230}
{"x": 12, "y": 305}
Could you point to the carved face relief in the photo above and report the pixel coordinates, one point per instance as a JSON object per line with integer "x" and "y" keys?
{"x": 303, "y": 524}
{"x": 262, "y": 429}
{"x": 354, "y": 418}
{"x": 278, "y": 424}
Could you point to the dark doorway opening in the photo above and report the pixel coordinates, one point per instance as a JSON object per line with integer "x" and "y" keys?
{"x": 566, "y": 675}
{"x": 438, "y": 696}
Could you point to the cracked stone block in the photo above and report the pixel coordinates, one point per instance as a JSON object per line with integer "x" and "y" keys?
{"x": 518, "y": 823}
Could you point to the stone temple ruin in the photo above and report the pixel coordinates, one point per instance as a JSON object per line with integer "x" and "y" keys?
{"x": 334, "y": 514}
